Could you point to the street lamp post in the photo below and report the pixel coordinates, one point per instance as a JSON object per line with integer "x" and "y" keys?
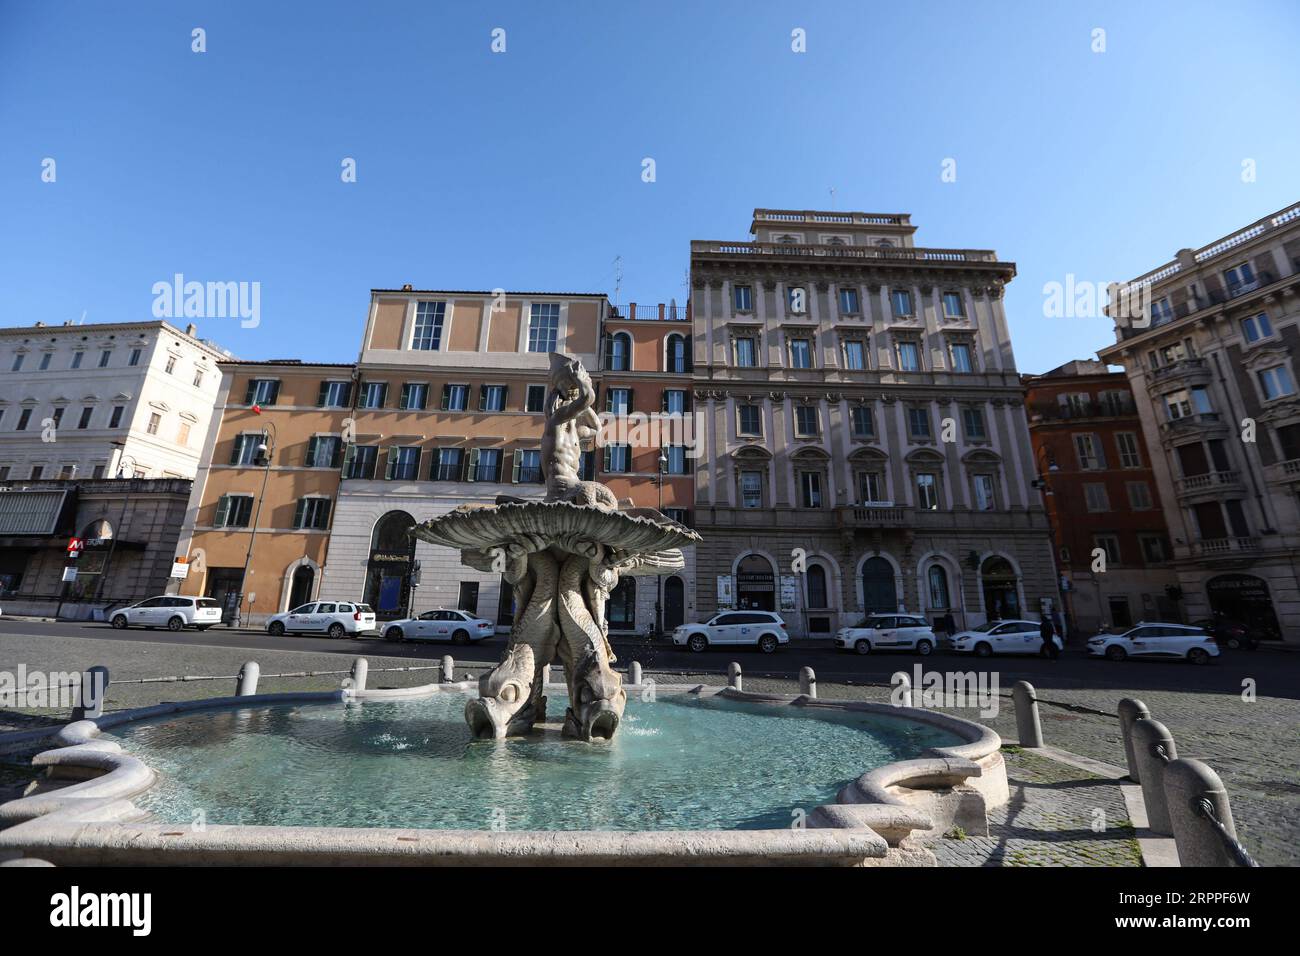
{"x": 659, "y": 581}
{"x": 1045, "y": 488}
{"x": 123, "y": 472}
{"x": 264, "y": 452}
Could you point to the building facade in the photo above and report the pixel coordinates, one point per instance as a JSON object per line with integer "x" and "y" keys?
{"x": 865, "y": 441}
{"x": 1211, "y": 361}
{"x": 104, "y": 400}
{"x": 1103, "y": 504}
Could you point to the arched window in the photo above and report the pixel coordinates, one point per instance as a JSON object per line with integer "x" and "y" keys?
{"x": 937, "y": 578}
{"x": 618, "y": 352}
{"x": 677, "y": 354}
{"x": 755, "y": 584}
{"x": 817, "y": 587}
{"x": 879, "y": 593}
{"x": 620, "y": 609}
{"x": 1000, "y": 585}
{"x": 388, "y": 572}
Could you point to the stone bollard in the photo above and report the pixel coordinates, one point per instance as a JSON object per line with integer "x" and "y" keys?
{"x": 634, "y": 673}
{"x": 901, "y": 696}
{"x": 1028, "y": 727}
{"x": 246, "y": 682}
{"x": 360, "y": 668}
{"x": 93, "y": 690}
{"x": 734, "y": 680}
{"x": 448, "y": 669}
{"x": 807, "y": 682}
{"x": 1130, "y": 711}
{"x": 1153, "y": 748}
{"x": 1193, "y": 792}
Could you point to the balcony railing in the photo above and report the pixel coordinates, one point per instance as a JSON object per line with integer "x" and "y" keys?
{"x": 1081, "y": 410}
{"x": 1283, "y": 471}
{"x": 1220, "y": 546}
{"x": 1207, "y": 482}
{"x": 872, "y": 516}
{"x": 879, "y": 253}
{"x": 822, "y": 216}
{"x": 1192, "y": 422}
{"x": 1185, "y": 366}
{"x": 660, "y": 312}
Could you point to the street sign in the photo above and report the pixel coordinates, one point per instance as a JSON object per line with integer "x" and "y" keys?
{"x": 69, "y": 574}
{"x": 74, "y": 547}
{"x": 789, "y": 592}
{"x": 180, "y": 568}
{"x": 726, "y": 598}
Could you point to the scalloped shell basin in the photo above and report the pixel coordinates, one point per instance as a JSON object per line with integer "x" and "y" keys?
{"x": 676, "y": 763}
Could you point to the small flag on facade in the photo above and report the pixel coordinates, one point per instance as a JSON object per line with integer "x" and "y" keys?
{"x": 257, "y": 409}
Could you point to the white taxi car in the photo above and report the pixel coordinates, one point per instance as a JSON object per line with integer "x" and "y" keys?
{"x": 887, "y": 632}
{"x": 441, "y": 624}
{"x": 762, "y": 629}
{"x": 172, "y": 611}
{"x": 1002, "y": 637}
{"x": 1169, "y": 641}
{"x": 335, "y": 618}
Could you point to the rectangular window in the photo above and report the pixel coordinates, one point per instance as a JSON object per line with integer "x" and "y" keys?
{"x": 1129, "y": 456}
{"x": 810, "y": 489}
{"x": 1240, "y": 279}
{"x": 674, "y": 402}
{"x": 1088, "y": 450}
{"x": 535, "y": 398}
{"x": 37, "y": 472}
{"x": 805, "y": 421}
{"x": 427, "y": 336}
{"x": 24, "y": 417}
{"x": 84, "y": 421}
{"x": 323, "y": 451}
{"x": 361, "y": 461}
{"x": 403, "y": 463}
{"x": 45, "y": 361}
{"x": 415, "y": 396}
{"x": 115, "y": 419}
{"x": 849, "y": 301}
{"x": 618, "y": 401}
{"x": 618, "y": 459}
{"x": 528, "y": 466}
{"x": 681, "y": 515}
{"x": 492, "y": 398}
{"x": 262, "y": 391}
{"x": 749, "y": 420}
{"x": 953, "y": 307}
{"x": 1095, "y": 497}
{"x": 198, "y": 379}
{"x": 183, "y": 434}
{"x": 1108, "y": 543}
{"x": 373, "y": 395}
{"x": 104, "y": 358}
{"x": 170, "y": 367}
{"x": 334, "y": 395}
{"x": 918, "y": 422}
{"x": 984, "y": 498}
{"x": 455, "y": 398}
{"x": 18, "y": 362}
{"x": 871, "y": 487}
{"x": 543, "y": 326}
{"x": 742, "y": 297}
{"x": 676, "y": 455}
{"x": 901, "y": 302}
{"x": 154, "y": 421}
{"x": 927, "y": 492}
{"x": 855, "y": 355}
{"x": 244, "y": 450}
{"x": 1256, "y": 327}
{"x": 1155, "y": 549}
{"x": 1276, "y": 382}
{"x": 909, "y": 357}
{"x": 1161, "y": 311}
{"x": 133, "y": 359}
{"x": 76, "y": 359}
{"x": 746, "y": 353}
{"x": 863, "y": 426}
{"x": 961, "y": 358}
{"x": 1139, "y": 495}
{"x": 751, "y": 489}
{"x": 973, "y": 420}
{"x": 234, "y": 511}
{"x": 312, "y": 513}
{"x": 446, "y": 464}
{"x": 800, "y": 353}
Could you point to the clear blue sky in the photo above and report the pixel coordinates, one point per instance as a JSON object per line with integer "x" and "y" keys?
{"x": 523, "y": 170}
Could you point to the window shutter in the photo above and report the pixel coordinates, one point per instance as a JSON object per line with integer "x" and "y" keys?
{"x": 223, "y": 511}
{"x": 515, "y": 455}
{"x": 298, "y": 512}
{"x": 446, "y": 397}
{"x": 349, "y": 454}
{"x": 347, "y": 394}
{"x": 605, "y": 459}
{"x": 322, "y": 394}
{"x": 312, "y": 442}
{"x": 236, "y": 449}
{"x": 471, "y": 465}
{"x": 274, "y": 393}
{"x": 391, "y": 465}
{"x": 383, "y": 395}
{"x": 482, "y": 398}
{"x": 663, "y": 401}
{"x": 505, "y": 397}
{"x": 630, "y": 403}
{"x": 252, "y": 390}
{"x": 1101, "y": 451}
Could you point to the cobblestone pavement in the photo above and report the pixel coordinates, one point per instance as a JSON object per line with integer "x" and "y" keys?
{"x": 1253, "y": 744}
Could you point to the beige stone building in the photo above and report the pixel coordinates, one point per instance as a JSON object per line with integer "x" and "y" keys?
{"x": 1212, "y": 365}
{"x": 866, "y": 447}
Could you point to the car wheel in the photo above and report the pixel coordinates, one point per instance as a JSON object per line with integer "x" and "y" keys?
{"x": 697, "y": 643}
{"x": 336, "y": 630}
{"x": 924, "y": 648}
{"x": 1116, "y": 653}
{"x": 1198, "y": 655}
{"x": 394, "y": 634}
{"x": 175, "y": 624}
{"x": 460, "y": 637}
{"x": 862, "y": 646}
{"x": 767, "y": 643}
{"x": 120, "y": 622}
{"x": 275, "y": 628}
{"x": 1234, "y": 643}
{"x": 983, "y": 649}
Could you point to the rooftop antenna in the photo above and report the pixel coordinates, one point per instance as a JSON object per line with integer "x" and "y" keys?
{"x": 832, "y": 197}
{"x": 618, "y": 278}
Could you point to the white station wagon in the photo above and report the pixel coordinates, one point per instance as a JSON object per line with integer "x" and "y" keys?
{"x": 335, "y": 618}
{"x": 442, "y": 624}
{"x": 762, "y": 629}
{"x": 1170, "y": 641}
{"x": 172, "y": 611}
{"x": 1002, "y": 637}
{"x": 887, "y": 632}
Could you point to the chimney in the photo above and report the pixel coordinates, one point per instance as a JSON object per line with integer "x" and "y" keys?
{"x": 192, "y": 330}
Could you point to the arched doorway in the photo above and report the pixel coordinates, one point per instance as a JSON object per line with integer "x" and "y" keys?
{"x": 674, "y": 603}
{"x": 879, "y": 590}
{"x": 1001, "y": 589}
{"x": 304, "y": 579}
{"x": 620, "y": 609}
{"x": 392, "y": 557}
{"x": 1244, "y": 598}
{"x": 755, "y": 584}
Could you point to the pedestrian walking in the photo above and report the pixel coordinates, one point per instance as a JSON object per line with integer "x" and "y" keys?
{"x": 1048, "y": 633}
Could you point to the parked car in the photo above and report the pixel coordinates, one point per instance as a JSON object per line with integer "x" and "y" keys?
{"x": 335, "y": 618}
{"x": 887, "y": 632}
{"x": 441, "y": 624}
{"x": 762, "y": 629}
{"x": 1170, "y": 641}
{"x": 1002, "y": 637}
{"x": 1231, "y": 634}
{"x": 172, "y": 611}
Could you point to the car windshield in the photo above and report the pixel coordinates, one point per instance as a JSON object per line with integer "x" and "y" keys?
{"x": 986, "y": 627}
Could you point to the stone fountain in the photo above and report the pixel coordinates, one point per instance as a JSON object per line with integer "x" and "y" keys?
{"x": 563, "y": 555}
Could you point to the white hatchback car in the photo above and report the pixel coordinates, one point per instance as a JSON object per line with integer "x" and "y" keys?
{"x": 1169, "y": 641}
{"x": 335, "y": 618}
{"x": 172, "y": 611}
{"x": 762, "y": 629}
{"x": 1002, "y": 637}
{"x": 887, "y": 632}
{"x": 442, "y": 624}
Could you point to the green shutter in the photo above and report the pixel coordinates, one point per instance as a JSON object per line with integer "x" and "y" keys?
{"x": 311, "y": 452}
{"x": 348, "y": 455}
{"x": 471, "y": 465}
{"x": 391, "y": 466}
{"x": 446, "y": 397}
{"x": 514, "y": 468}
{"x": 252, "y": 389}
{"x": 223, "y": 511}
{"x": 298, "y": 512}
{"x": 236, "y": 449}
{"x": 322, "y": 394}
